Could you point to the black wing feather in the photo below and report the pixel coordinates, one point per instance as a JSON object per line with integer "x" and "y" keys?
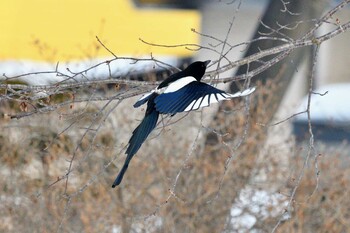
{"x": 178, "y": 101}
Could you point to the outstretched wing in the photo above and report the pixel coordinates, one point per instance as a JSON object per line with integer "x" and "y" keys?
{"x": 173, "y": 83}
{"x": 193, "y": 96}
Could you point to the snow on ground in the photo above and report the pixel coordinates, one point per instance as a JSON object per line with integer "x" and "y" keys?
{"x": 119, "y": 67}
{"x": 253, "y": 205}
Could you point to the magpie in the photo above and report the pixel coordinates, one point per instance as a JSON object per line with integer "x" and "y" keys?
{"x": 180, "y": 92}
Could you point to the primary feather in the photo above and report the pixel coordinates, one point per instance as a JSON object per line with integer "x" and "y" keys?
{"x": 193, "y": 96}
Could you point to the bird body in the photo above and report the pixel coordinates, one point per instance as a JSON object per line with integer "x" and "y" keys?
{"x": 180, "y": 92}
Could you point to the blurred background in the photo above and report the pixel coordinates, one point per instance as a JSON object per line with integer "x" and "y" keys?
{"x": 198, "y": 175}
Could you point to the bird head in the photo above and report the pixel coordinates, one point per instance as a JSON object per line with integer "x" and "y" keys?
{"x": 197, "y": 69}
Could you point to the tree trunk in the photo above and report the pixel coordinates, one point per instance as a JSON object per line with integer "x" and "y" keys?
{"x": 208, "y": 213}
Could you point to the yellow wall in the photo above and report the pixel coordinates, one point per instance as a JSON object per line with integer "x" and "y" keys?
{"x": 66, "y": 29}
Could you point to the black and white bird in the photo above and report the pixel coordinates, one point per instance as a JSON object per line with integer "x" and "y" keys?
{"x": 180, "y": 92}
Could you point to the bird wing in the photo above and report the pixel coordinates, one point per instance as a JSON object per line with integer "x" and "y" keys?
{"x": 144, "y": 99}
{"x": 179, "y": 83}
{"x": 165, "y": 87}
{"x": 193, "y": 96}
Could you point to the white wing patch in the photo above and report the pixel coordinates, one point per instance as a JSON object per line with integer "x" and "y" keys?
{"x": 205, "y": 102}
{"x": 198, "y": 103}
{"x": 178, "y": 84}
{"x": 246, "y": 92}
{"x": 215, "y": 98}
{"x": 194, "y": 105}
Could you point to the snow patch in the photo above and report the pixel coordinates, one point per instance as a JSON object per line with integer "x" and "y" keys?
{"x": 253, "y": 205}
{"x": 330, "y": 104}
{"x": 44, "y": 73}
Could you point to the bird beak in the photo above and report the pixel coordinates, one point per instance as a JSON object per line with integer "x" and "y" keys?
{"x": 206, "y": 63}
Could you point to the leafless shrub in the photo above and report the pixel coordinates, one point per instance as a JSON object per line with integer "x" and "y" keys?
{"x": 59, "y": 143}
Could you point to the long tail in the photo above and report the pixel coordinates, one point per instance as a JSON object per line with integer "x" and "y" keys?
{"x": 138, "y": 137}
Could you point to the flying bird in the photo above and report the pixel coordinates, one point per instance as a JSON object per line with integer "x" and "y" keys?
{"x": 180, "y": 92}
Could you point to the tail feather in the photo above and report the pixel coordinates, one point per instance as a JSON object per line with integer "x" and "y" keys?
{"x": 139, "y": 135}
{"x": 120, "y": 176}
